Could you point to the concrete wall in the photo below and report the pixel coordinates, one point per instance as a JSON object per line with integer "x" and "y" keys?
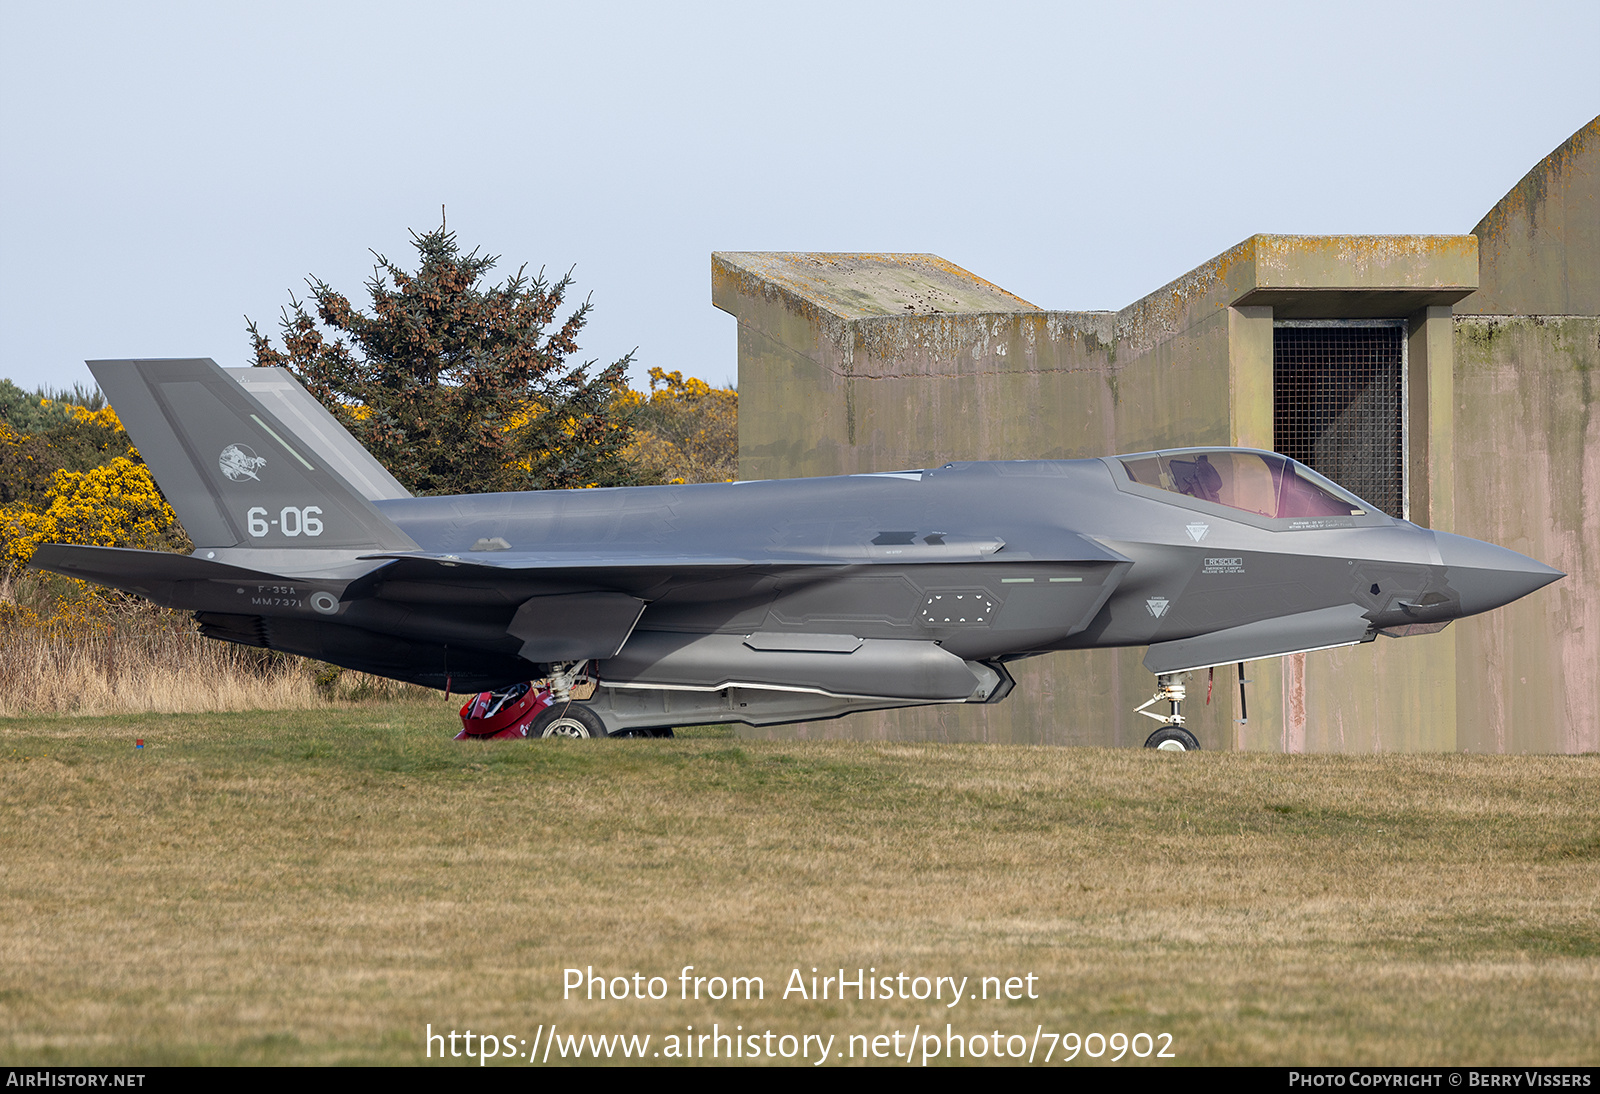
{"x": 1528, "y": 478}
{"x": 1540, "y": 245}
{"x": 1527, "y": 351}
{"x": 829, "y": 388}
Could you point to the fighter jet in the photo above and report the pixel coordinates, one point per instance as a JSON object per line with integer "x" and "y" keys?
{"x": 645, "y": 608}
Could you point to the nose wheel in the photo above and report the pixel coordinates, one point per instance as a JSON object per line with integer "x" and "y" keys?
{"x": 1171, "y": 737}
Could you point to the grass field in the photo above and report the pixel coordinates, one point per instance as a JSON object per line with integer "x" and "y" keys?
{"x": 159, "y": 662}
{"x": 317, "y": 886}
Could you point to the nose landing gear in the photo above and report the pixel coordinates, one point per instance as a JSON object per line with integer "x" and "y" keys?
{"x": 1171, "y": 737}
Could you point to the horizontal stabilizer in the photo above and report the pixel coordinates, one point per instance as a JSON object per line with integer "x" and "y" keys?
{"x": 173, "y": 580}
{"x": 129, "y": 569}
{"x": 1322, "y": 629}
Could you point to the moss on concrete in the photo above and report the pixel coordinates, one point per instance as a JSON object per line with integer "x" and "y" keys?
{"x": 1540, "y": 244}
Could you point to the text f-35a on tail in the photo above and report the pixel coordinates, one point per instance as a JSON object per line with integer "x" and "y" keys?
{"x": 762, "y": 602}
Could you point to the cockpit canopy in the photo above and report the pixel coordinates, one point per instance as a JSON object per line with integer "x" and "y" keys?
{"x": 1256, "y": 482}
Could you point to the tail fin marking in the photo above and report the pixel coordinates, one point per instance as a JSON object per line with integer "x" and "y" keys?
{"x": 228, "y": 467}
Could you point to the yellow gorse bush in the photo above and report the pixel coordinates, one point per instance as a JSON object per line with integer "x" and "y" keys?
{"x": 113, "y": 506}
{"x": 686, "y": 430}
{"x": 82, "y": 415}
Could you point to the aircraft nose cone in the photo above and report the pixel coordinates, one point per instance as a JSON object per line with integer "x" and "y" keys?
{"x": 1487, "y": 576}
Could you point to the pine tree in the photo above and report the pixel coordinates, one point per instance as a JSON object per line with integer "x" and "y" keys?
{"x": 457, "y": 387}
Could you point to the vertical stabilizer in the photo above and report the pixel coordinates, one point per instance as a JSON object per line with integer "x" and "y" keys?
{"x": 236, "y": 475}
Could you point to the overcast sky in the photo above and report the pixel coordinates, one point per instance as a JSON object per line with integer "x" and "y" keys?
{"x": 169, "y": 168}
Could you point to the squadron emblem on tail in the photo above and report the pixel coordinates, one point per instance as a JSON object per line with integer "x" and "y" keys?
{"x": 240, "y": 462}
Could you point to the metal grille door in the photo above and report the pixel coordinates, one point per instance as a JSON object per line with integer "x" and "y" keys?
{"x": 1337, "y": 406}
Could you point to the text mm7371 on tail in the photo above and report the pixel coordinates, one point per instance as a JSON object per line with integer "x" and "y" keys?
{"x": 762, "y": 602}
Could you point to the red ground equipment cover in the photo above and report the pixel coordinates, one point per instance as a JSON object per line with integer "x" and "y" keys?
{"x": 499, "y": 715}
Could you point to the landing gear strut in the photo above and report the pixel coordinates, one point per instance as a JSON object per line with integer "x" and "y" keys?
{"x": 571, "y": 680}
{"x": 563, "y": 674}
{"x": 1171, "y": 737}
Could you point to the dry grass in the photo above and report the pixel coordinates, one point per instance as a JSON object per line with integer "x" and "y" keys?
{"x": 317, "y": 886}
{"x": 162, "y": 667}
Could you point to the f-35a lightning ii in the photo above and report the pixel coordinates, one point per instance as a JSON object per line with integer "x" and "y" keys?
{"x": 763, "y": 602}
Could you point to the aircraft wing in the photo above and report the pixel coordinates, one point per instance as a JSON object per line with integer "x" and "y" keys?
{"x": 1052, "y": 545}
{"x": 435, "y": 567}
{"x": 588, "y": 604}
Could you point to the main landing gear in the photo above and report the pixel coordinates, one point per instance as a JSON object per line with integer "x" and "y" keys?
{"x": 572, "y": 685}
{"x": 568, "y": 720}
{"x": 1171, "y": 737}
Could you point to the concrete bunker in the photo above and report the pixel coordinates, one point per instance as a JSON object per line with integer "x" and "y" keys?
{"x": 1445, "y": 378}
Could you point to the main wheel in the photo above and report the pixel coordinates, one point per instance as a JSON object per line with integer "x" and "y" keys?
{"x": 568, "y": 720}
{"x": 1172, "y": 739}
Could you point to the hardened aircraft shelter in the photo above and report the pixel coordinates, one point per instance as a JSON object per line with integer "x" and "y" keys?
{"x": 1446, "y": 379}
